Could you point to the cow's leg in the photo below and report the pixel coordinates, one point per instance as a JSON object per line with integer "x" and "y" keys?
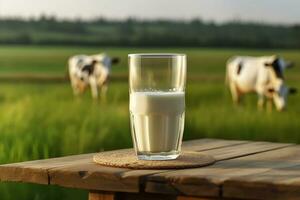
{"x": 103, "y": 91}
{"x": 260, "y": 102}
{"x": 234, "y": 93}
{"x": 75, "y": 85}
{"x": 94, "y": 87}
{"x": 103, "y": 83}
{"x": 260, "y": 90}
{"x": 269, "y": 105}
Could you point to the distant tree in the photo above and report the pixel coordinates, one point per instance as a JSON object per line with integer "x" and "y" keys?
{"x": 47, "y": 29}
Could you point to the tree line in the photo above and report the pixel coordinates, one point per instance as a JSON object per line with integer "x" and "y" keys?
{"x": 48, "y": 30}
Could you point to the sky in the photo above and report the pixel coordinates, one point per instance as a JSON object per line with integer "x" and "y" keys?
{"x": 270, "y": 11}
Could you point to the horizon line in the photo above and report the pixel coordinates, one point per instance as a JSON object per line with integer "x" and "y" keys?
{"x": 135, "y": 18}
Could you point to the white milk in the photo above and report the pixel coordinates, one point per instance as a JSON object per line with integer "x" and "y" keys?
{"x": 157, "y": 120}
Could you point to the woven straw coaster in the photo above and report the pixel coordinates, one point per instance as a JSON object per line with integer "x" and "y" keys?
{"x": 128, "y": 159}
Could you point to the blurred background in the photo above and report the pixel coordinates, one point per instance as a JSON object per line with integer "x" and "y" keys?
{"x": 40, "y": 118}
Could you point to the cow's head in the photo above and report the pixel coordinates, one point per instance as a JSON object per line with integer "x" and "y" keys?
{"x": 277, "y": 90}
{"x": 278, "y": 65}
{"x": 280, "y": 95}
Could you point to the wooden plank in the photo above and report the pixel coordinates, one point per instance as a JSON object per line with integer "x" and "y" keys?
{"x": 208, "y": 180}
{"x": 196, "y": 198}
{"x": 91, "y": 176}
{"x": 244, "y": 149}
{"x": 279, "y": 179}
{"x": 202, "y": 188}
{"x": 205, "y": 198}
{"x": 101, "y": 196}
{"x": 144, "y": 196}
{"x": 263, "y": 191}
{"x": 208, "y": 143}
{"x": 35, "y": 171}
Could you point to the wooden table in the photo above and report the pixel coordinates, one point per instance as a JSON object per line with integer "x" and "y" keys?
{"x": 244, "y": 170}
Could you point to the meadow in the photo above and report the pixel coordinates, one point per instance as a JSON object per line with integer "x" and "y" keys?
{"x": 42, "y": 119}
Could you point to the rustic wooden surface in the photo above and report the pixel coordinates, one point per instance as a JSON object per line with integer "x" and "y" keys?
{"x": 96, "y": 195}
{"x": 244, "y": 170}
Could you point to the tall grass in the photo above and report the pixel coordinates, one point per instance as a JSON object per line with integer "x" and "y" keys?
{"x": 41, "y": 121}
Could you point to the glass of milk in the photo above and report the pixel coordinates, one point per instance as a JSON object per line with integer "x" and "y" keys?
{"x": 157, "y": 104}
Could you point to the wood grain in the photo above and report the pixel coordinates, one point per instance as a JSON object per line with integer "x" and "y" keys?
{"x": 91, "y": 176}
{"x": 101, "y": 196}
{"x": 207, "y": 181}
{"x": 208, "y": 144}
{"x": 279, "y": 176}
{"x": 195, "y": 198}
{"x": 36, "y": 171}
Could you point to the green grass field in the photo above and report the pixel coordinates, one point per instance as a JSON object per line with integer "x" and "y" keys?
{"x": 44, "y": 120}
{"x": 53, "y": 60}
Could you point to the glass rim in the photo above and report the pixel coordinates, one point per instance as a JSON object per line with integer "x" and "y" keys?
{"x": 155, "y": 55}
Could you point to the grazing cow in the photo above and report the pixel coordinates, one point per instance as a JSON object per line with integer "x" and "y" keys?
{"x": 263, "y": 75}
{"x": 91, "y": 70}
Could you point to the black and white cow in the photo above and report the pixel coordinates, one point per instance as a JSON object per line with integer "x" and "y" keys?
{"x": 263, "y": 75}
{"x": 90, "y": 71}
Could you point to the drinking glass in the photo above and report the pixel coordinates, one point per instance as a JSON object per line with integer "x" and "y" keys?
{"x": 157, "y": 104}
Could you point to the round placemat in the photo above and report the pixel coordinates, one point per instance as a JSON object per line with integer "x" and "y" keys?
{"x": 128, "y": 159}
